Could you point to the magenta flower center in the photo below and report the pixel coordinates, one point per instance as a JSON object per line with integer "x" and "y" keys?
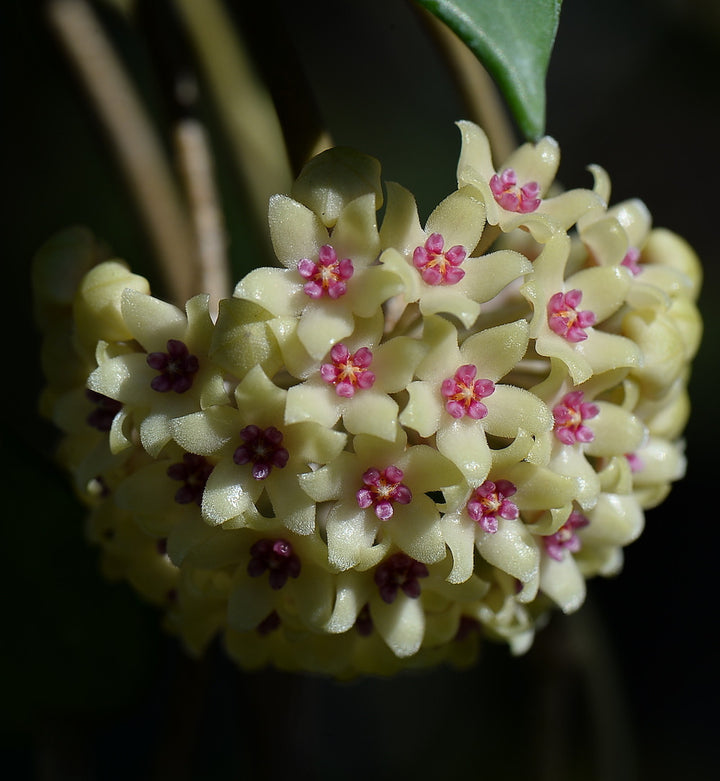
{"x": 564, "y": 318}
{"x": 263, "y": 449}
{"x": 348, "y": 372}
{"x": 327, "y": 277}
{"x": 276, "y": 557}
{"x": 570, "y": 415}
{"x": 565, "y": 538}
{"x": 399, "y": 571}
{"x": 512, "y": 197}
{"x": 630, "y": 261}
{"x": 489, "y": 502}
{"x": 382, "y": 489}
{"x": 636, "y": 463}
{"x": 177, "y": 368}
{"x": 105, "y": 410}
{"x": 437, "y": 267}
{"x": 193, "y": 471}
{"x": 463, "y": 393}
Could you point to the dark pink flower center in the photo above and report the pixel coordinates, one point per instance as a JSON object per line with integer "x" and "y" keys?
{"x": 382, "y": 489}
{"x": 105, "y": 410}
{"x": 522, "y": 199}
{"x": 263, "y": 449}
{"x": 570, "y": 415}
{"x": 564, "y": 318}
{"x": 630, "y": 261}
{"x": 327, "y": 277}
{"x": 399, "y": 571}
{"x": 463, "y": 393}
{"x": 276, "y": 557}
{"x": 489, "y": 502}
{"x": 177, "y": 368}
{"x": 636, "y": 463}
{"x": 348, "y": 372}
{"x": 193, "y": 472}
{"x": 437, "y": 267}
{"x": 565, "y": 538}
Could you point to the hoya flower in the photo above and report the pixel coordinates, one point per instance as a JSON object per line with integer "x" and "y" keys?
{"x": 459, "y": 399}
{"x": 407, "y": 603}
{"x": 169, "y": 376}
{"x": 569, "y": 313}
{"x": 379, "y": 494}
{"x": 587, "y": 429}
{"x": 495, "y": 516}
{"x": 128, "y": 553}
{"x": 436, "y": 264}
{"x": 328, "y": 277}
{"x": 256, "y": 455}
{"x": 356, "y": 381}
{"x": 514, "y": 194}
{"x": 166, "y": 494}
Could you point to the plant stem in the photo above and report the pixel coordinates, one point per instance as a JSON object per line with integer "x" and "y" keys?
{"x": 244, "y": 104}
{"x": 136, "y": 144}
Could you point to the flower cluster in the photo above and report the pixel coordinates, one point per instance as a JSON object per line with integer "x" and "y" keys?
{"x": 404, "y": 438}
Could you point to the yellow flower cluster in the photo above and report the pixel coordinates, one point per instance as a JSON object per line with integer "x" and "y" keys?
{"x": 402, "y": 439}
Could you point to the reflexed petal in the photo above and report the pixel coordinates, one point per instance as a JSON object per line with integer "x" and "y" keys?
{"x": 511, "y": 408}
{"x": 323, "y": 325}
{"x": 424, "y": 410}
{"x": 616, "y": 431}
{"x": 400, "y": 624}
{"x": 511, "y": 549}
{"x": 278, "y": 290}
{"x": 296, "y": 232}
{"x": 459, "y": 219}
{"x": 230, "y": 492}
{"x": 371, "y": 413}
{"x": 496, "y": 351}
{"x": 314, "y": 402}
{"x": 485, "y": 277}
{"x": 415, "y": 529}
{"x": 206, "y": 432}
{"x": 152, "y": 321}
{"x": 562, "y": 582}
{"x": 464, "y": 443}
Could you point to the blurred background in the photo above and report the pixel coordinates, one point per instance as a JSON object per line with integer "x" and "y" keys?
{"x": 625, "y": 689}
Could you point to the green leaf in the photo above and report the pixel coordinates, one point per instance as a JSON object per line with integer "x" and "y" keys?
{"x": 513, "y": 39}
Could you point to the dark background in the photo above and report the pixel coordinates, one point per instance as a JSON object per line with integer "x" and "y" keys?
{"x": 626, "y": 689}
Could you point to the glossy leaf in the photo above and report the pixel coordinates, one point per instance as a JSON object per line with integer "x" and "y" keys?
{"x": 513, "y": 40}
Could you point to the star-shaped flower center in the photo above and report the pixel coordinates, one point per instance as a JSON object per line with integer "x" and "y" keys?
{"x": 177, "y": 368}
{"x": 463, "y": 393}
{"x": 490, "y": 501}
{"x": 327, "y": 277}
{"x": 565, "y": 538}
{"x": 348, "y": 372}
{"x": 570, "y": 415}
{"x": 278, "y": 557}
{"x": 564, "y": 318}
{"x": 512, "y": 197}
{"x": 437, "y": 267}
{"x": 630, "y": 261}
{"x": 399, "y": 571}
{"x": 263, "y": 448}
{"x": 193, "y": 471}
{"x": 382, "y": 489}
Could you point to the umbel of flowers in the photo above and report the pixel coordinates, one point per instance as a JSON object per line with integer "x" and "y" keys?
{"x": 403, "y": 438}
